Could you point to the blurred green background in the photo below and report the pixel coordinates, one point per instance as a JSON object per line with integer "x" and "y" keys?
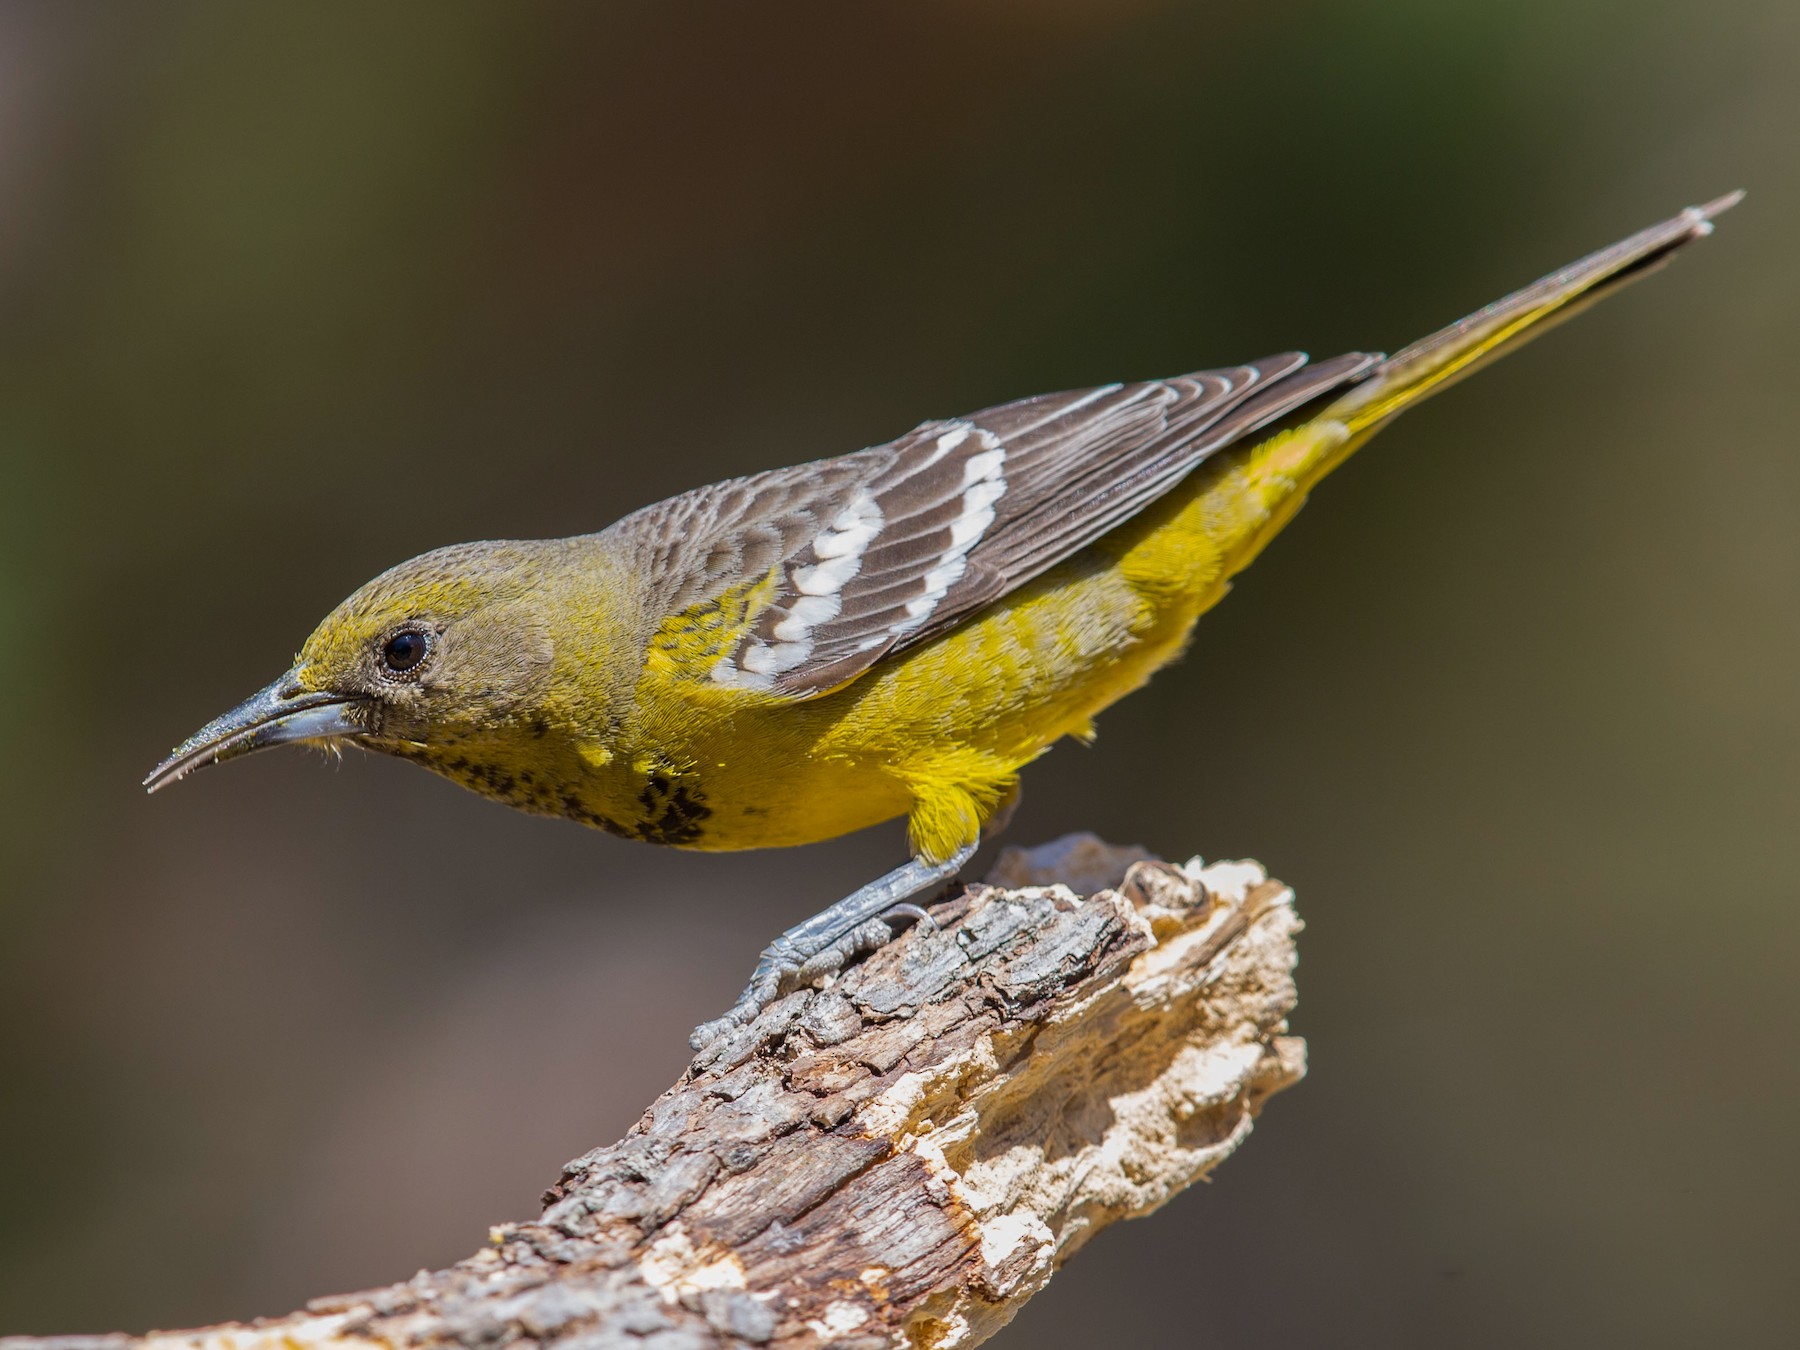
{"x": 290, "y": 293}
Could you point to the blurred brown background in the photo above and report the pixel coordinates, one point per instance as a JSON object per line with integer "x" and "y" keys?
{"x": 290, "y": 293}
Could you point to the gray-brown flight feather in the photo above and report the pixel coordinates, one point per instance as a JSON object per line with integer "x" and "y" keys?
{"x": 880, "y": 550}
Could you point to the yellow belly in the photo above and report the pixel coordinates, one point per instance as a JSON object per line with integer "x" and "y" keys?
{"x": 939, "y": 733}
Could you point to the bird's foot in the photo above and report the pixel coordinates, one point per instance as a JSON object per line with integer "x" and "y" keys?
{"x": 831, "y": 939}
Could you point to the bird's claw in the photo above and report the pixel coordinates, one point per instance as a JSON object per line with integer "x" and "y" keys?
{"x": 784, "y": 967}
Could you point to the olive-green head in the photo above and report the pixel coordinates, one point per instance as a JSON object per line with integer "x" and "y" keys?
{"x": 453, "y": 644}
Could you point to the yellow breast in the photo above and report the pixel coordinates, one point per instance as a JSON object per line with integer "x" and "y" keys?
{"x": 938, "y": 733}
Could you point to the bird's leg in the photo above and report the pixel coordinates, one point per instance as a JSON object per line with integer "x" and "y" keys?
{"x": 823, "y": 943}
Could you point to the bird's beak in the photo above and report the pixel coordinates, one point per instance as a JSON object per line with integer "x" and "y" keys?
{"x": 280, "y": 715}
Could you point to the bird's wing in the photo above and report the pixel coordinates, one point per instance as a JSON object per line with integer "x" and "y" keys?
{"x": 794, "y": 582}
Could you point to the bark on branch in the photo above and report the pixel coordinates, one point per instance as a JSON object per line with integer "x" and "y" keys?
{"x": 902, "y": 1159}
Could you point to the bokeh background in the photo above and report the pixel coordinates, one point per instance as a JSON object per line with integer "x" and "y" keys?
{"x": 290, "y": 293}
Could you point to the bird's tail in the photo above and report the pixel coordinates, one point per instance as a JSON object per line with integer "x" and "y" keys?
{"x": 1240, "y": 513}
{"x": 1446, "y": 356}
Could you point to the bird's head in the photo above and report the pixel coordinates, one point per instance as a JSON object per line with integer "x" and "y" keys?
{"x": 453, "y": 644}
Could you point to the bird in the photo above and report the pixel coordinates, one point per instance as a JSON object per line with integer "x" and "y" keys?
{"x": 787, "y": 657}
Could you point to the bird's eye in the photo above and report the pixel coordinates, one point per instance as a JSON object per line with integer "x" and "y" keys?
{"x": 402, "y": 652}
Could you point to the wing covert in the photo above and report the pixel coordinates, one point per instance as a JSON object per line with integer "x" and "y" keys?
{"x": 843, "y": 560}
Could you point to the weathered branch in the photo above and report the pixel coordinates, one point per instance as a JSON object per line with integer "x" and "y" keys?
{"x": 902, "y": 1159}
